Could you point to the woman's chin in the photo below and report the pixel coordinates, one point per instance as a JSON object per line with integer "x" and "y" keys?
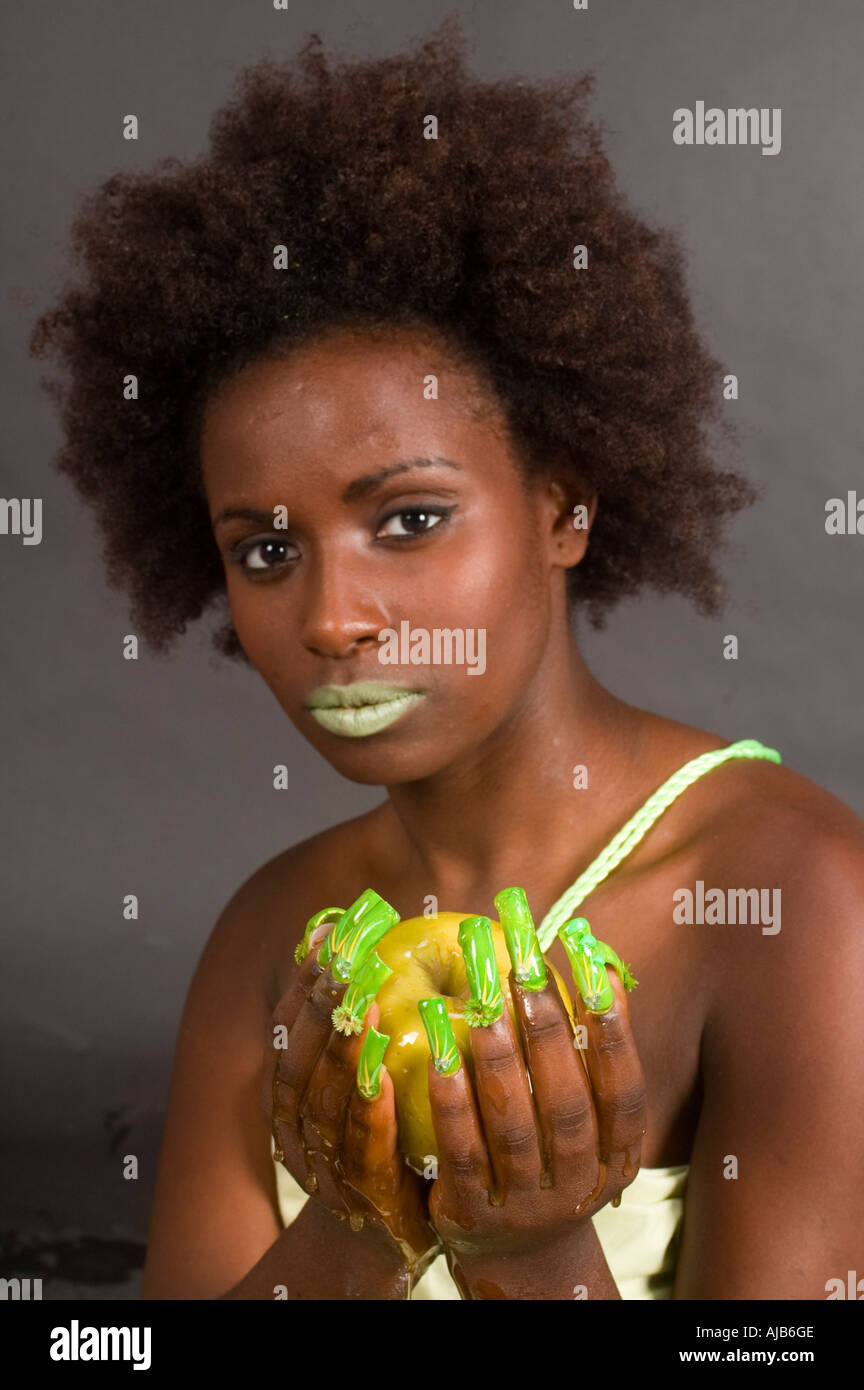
{"x": 379, "y": 759}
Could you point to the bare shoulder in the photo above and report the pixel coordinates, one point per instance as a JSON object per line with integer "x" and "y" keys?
{"x": 270, "y": 909}
{"x": 754, "y": 808}
{"x": 753, "y": 823}
{"x": 767, "y": 814}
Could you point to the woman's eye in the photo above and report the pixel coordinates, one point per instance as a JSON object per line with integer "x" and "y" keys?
{"x": 267, "y": 556}
{"x": 250, "y": 556}
{"x": 422, "y": 516}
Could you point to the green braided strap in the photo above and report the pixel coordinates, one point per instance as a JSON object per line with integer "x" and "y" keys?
{"x": 637, "y": 827}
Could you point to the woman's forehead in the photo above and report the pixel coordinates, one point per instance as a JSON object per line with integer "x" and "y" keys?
{"x": 402, "y": 396}
{"x": 382, "y": 362}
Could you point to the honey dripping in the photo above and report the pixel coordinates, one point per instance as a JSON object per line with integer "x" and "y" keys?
{"x": 630, "y": 1165}
{"x": 601, "y": 1183}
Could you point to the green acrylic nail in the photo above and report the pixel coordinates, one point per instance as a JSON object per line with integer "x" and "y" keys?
{"x": 589, "y": 971}
{"x": 593, "y": 981}
{"x": 439, "y": 1031}
{"x": 625, "y": 974}
{"x": 357, "y": 932}
{"x": 514, "y": 915}
{"x": 348, "y": 1016}
{"x": 369, "y": 1064}
{"x": 486, "y": 1002}
{"x": 325, "y": 953}
{"x": 301, "y": 950}
{"x": 577, "y": 929}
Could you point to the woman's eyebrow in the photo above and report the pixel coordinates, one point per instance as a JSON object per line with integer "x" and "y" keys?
{"x": 361, "y": 487}
{"x": 247, "y": 513}
{"x": 356, "y": 489}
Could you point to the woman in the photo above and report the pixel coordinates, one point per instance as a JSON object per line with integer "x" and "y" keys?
{"x": 396, "y": 352}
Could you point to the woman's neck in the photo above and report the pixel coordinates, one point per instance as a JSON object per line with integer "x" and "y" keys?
{"x": 485, "y": 821}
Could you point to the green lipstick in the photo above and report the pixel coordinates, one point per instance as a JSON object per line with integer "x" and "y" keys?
{"x": 355, "y": 711}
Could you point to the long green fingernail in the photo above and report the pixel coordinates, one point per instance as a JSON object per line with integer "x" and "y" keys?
{"x": 349, "y": 916}
{"x": 515, "y": 917}
{"x": 301, "y": 950}
{"x": 625, "y": 974}
{"x": 348, "y": 1016}
{"x": 357, "y": 932}
{"x": 587, "y": 964}
{"x": 369, "y": 1063}
{"x": 486, "y": 1002}
{"x": 439, "y": 1031}
{"x": 577, "y": 930}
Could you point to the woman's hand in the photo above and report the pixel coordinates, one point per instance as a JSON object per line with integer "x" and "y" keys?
{"x": 540, "y": 1162}
{"x": 342, "y": 1148}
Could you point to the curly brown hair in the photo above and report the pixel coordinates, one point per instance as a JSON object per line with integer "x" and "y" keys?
{"x": 600, "y": 371}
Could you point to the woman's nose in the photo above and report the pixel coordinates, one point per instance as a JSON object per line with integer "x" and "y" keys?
{"x": 340, "y": 608}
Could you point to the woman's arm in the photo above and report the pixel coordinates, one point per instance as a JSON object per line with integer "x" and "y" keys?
{"x": 215, "y": 1229}
{"x": 572, "y": 1268}
{"x": 783, "y": 1069}
{"x": 319, "y": 1257}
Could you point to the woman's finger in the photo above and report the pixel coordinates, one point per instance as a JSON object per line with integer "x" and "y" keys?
{"x": 374, "y": 1167}
{"x": 371, "y": 1149}
{"x": 295, "y": 1064}
{"x": 318, "y": 928}
{"x": 562, "y": 1092}
{"x": 617, "y": 1080}
{"x": 506, "y": 1106}
{"x": 323, "y": 1115}
{"x": 285, "y": 1014}
{"x": 283, "y": 1081}
{"x": 334, "y": 1078}
{"x": 297, "y": 1059}
{"x": 500, "y": 1080}
{"x": 331, "y": 1085}
{"x": 463, "y": 1163}
{"x": 371, "y": 1156}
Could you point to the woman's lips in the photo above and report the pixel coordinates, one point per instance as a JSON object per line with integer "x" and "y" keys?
{"x": 355, "y": 711}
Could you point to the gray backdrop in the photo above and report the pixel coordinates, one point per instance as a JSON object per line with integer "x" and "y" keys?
{"x": 154, "y": 777}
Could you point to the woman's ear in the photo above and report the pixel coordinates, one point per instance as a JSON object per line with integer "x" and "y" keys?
{"x": 571, "y": 510}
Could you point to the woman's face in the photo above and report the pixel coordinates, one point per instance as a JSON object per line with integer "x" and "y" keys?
{"x": 399, "y": 512}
